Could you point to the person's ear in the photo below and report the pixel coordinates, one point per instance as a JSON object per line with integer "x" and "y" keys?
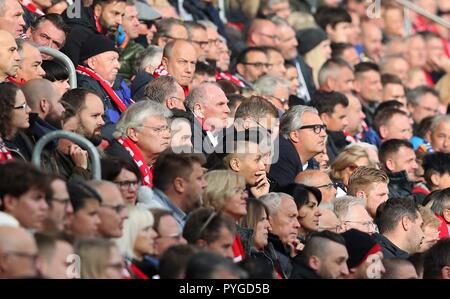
{"x": 165, "y": 62}
{"x": 325, "y": 118}
{"x": 170, "y": 104}
{"x": 361, "y": 194}
{"x": 247, "y": 122}
{"x": 406, "y": 223}
{"x": 235, "y": 164}
{"x": 435, "y": 179}
{"x": 178, "y": 185}
{"x": 197, "y": 110}
{"x": 390, "y": 164}
{"x": 44, "y": 106}
{"x": 240, "y": 68}
{"x": 91, "y": 62}
{"x": 98, "y": 10}
{"x": 294, "y": 136}
{"x": 133, "y": 134}
{"x": 314, "y": 263}
{"x": 9, "y": 203}
{"x": 383, "y": 131}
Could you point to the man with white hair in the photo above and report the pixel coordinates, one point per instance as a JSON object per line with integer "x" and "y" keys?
{"x": 283, "y": 236}
{"x": 440, "y": 133}
{"x": 208, "y": 103}
{"x": 276, "y": 90}
{"x": 298, "y": 124}
{"x": 141, "y": 134}
{"x": 11, "y": 17}
{"x": 9, "y": 56}
{"x": 352, "y": 213}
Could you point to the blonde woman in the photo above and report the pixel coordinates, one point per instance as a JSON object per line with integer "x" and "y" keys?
{"x": 99, "y": 259}
{"x": 137, "y": 243}
{"x": 346, "y": 163}
{"x": 226, "y": 193}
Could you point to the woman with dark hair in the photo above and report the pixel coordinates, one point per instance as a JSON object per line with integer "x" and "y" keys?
{"x": 58, "y": 74}
{"x": 125, "y": 175}
{"x": 307, "y": 200}
{"x": 14, "y": 116}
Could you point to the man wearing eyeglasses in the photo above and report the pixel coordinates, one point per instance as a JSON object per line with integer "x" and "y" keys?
{"x": 199, "y": 39}
{"x": 60, "y": 208}
{"x": 320, "y": 180}
{"x": 262, "y": 32}
{"x": 18, "y": 253}
{"x": 302, "y": 136}
{"x": 112, "y": 212}
{"x": 251, "y": 64}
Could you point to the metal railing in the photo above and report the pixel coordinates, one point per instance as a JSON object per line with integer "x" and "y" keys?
{"x": 416, "y": 8}
{"x": 65, "y": 60}
{"x": 83, "y": 142}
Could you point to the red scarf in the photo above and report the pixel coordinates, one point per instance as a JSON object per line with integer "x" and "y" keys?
{"x": 161, "y": 71}
{"x": 238, "y": 249}
{"x": 229, "y": 77}
{"x": 31, "y": 7}
{"x": 16, "y": 81}
{"x": 105, "y": 85}
{"x": 5, "y": 154}
{"x": 138, "y": 158}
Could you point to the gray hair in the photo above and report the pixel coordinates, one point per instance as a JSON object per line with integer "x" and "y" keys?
{"x": 22, "y": 42}
{"x": 151, "y": 56}
{"x": 267, "y": 84}
{"x": 208, "y": 24}
{"x": 414, "y": 95}
{"x": 272, "y": 201}
{"x": 137, "y": 113}
{"x": 386, "y": 60}
{"x": 364, "y": 145}
{"x": 293, "y": 119}
{"x": 342, "y": 205}
{"x": 437, "y": 120}
{"x": 198, "y": 94}
{"x": 331, "y": 69}
{"x": 279, "y": 21}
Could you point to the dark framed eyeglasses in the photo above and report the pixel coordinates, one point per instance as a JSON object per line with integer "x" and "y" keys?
{"x": 118, "y": 208}
{"x": 63, "y": 201}
{"x": 201, "y": 44}
{"x": 336, "y": 229}
{"x": 258, "y": 65}
{"x": 127, "y": 184}
{"x": 172, "y": 37}
{"x": 327, "y": 186}
{"x": 316, "y": 128}
{"x": 273, "y": 37}
{"x": 23, "y": 106}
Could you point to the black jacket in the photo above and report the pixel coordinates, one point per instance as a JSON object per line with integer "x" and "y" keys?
{"x": 336, "y": 142}
{"x": 281, "y": 254}
{"x": 288, "y": 165}
{"x": 390, "y": 250}
{"x": 53, "y": 161}
{"x": 138, "y": 85}
{"x": 302, "y": 271}
{"x": 400, "y": 186}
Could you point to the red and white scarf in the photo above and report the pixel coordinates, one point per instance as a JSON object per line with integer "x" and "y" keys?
{"x": 5, "y": 154}
{"x": 229, "y": 77}
{"x": 31, "y": 7}
{"x": 105, "y": 85}
{"x": 138, "y": 158}
{"x": 162, "y": 71}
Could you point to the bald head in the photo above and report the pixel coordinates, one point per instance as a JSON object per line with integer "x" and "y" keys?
{"x": 262, "y": 32}
{"x": 9, "y": 57}
{"x": 318, "y": 179}
{"x": 17, "y": 251}
{"x": 179, "y": 59}
{"x": 109, "y": 192}
{"x": 37, "y": 90}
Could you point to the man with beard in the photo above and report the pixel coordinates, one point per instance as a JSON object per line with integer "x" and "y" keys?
{"x": 84, "y": 116}
{"x": 103, "y": 16}
{"x": 45, "y": 116}
{"x": 178, "y": 184}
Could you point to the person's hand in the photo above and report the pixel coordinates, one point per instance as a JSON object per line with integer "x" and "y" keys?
{"x": 79, "y": 156}
{"x": 295, "y": 247}
{"x": 262, "y": 185}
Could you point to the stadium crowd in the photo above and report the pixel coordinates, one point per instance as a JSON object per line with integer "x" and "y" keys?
{"x": 282, "y": 139}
